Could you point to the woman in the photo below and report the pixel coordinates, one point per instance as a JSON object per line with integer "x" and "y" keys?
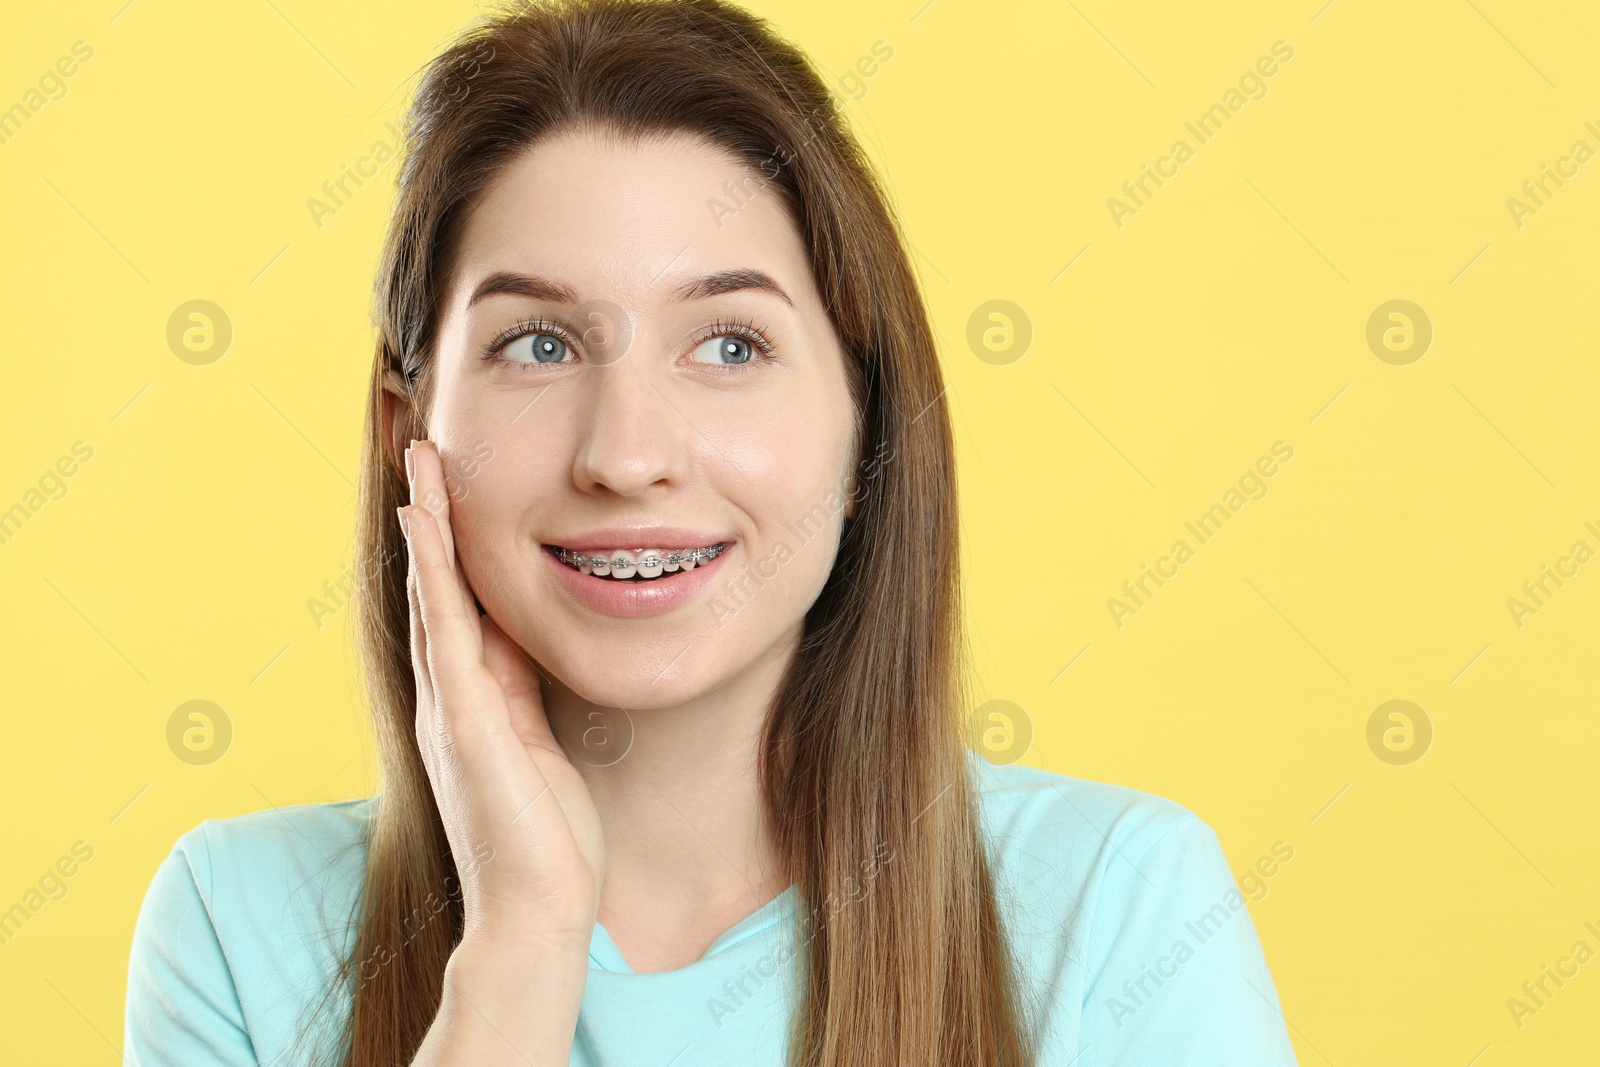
{"x": 664, "y": 647}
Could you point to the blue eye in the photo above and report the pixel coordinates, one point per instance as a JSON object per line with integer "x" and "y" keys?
{"x": 726, "y": 350}
{"x": 539, "y": 342}
{"x": 536, "y": 348}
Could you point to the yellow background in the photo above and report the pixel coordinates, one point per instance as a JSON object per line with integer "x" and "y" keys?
{"x": 1228, "y": 313}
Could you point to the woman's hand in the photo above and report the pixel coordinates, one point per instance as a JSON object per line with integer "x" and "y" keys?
{"x": 522, "y": 827}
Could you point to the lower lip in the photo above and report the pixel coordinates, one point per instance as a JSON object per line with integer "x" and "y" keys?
{"x": 635, "y": 600}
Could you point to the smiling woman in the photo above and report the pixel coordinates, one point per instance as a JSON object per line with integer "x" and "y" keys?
{"x": 656, "y": 427}
{"x": 618, "y": 826}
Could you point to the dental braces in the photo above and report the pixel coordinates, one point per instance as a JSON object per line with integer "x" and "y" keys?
{"x": 698, "y": 556}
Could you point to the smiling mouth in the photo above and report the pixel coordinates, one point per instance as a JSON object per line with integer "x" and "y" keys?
{"x": 638, "y": 565}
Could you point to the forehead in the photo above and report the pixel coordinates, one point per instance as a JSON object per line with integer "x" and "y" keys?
{"x": 628, "y": 218}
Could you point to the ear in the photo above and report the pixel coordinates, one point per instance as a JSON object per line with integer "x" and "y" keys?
{"x": 399, "y": 424}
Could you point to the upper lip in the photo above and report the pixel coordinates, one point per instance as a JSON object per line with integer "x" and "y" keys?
{"x": 665, "y": 538}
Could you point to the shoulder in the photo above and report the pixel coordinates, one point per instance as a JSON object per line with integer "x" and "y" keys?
{"x": 1127, "y": 923}
{"x": 1016, "y": 798}
{"x": 1046, "y": 825}
{"x": 290, "y": 875}
{"x": 266, "y": 849}
{"x": 243, "y": 929}
{"x": 1070, "y": 853}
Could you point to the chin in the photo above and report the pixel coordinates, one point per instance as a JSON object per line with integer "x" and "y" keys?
{"x": 655, "y": 676}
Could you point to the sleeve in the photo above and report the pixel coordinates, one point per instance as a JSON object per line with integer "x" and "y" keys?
{"x": 1175, "y": 968}
{"x": 183, "y": 1008}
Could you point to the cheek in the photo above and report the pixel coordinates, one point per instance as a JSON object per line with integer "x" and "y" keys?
{"x": 485, "y": 519}
{"x": 795, "y": 498}
{"x": 790, "y": 455}
{"x": 489, "y": 473}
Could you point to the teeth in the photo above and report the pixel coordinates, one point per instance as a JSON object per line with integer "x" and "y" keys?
{"x": 628, "y": 563}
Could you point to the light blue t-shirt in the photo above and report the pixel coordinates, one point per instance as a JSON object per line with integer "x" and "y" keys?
{"x": 1133, "y": 943}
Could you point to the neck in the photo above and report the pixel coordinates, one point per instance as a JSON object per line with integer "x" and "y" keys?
{"x": 678, "y": 796}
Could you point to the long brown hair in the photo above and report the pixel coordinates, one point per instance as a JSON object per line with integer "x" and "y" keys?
{"x": 863, "y": 762}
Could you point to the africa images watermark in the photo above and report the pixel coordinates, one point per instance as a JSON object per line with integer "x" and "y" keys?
{"x": 1137, "y": 993}
{"x": 1210, "y": 522}
{"x": 423, "y": 914}
{"x": 854, "y": 84}
{"x": 739, "y": 992}
{"x": 52, "y": 486}
{"x": 815, "y": 519}
{"x": 1566, "y": 567}
{"x": 51, "y": 885}
{"x": 1252, "y": 85}
{"x": 1566, "y": 969}
{"x": 1531, "y": 200}
{"x": 337, "y": 192}
{"x": 459, "y": 473}
{"x": 52, "y": 86}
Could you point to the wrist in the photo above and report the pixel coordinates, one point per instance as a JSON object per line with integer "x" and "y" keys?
{"x": 498, "y": 975}
{"x": 484, "y": 943}
{"x": 524, "y": 992}
{"x": 550, "y": 924}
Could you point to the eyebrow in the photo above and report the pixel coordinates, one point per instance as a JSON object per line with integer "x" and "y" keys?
{"x": 538, "y": 288}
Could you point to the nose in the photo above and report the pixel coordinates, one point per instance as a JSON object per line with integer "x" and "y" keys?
{"x": 631, "y": 436}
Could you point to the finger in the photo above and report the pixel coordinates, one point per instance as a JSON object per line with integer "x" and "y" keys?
{"x": 425, "y": 708}
{"x": 419, "y": 637}
{"x": 519, "y": 681}
{"x": 469, "y": 603}
{"x": 430, "y": 488}
{"x": 472, "y": 728}
{"x": 461, "y": 685}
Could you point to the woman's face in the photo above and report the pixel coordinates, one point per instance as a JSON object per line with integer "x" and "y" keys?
{"x": 597, "y": 372}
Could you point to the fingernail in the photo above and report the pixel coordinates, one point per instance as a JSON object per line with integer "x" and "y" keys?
{"x": 405, "y": 523}
{"x": 411, "y": 463}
